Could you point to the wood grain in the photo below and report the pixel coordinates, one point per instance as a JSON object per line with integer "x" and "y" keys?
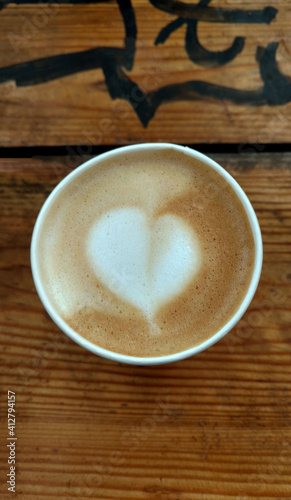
{"x": 78, "y": 108}
{"x": 216, "y": 426}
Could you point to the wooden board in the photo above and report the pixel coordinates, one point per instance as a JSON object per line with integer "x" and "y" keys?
{"x": 213, "y": 427}
{"x": 108, "y": 72}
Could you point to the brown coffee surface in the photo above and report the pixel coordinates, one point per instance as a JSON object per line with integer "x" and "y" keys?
{"x": 162, "y": 192}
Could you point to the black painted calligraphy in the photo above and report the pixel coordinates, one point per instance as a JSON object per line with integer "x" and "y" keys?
{"x": 275, "y": 88}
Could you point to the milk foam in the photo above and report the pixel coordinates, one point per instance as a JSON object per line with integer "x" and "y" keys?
{"x": 139, "y": 259}
{"x": 143, "y": 260}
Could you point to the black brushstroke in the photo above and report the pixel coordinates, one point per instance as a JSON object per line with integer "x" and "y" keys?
{"x": 196, "y": 52}
{"x": 269, "y": 93}
{"x": 54, "y": 67}
{"x": 199, "y": 55}
{"x": 215, "y": 14}
{"x": 169, "y": 29}
{"x": 277, "y": 87}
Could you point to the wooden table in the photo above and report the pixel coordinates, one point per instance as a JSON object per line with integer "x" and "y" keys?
{"x": 101, "y": 73}
{"x": 88, "y": 428}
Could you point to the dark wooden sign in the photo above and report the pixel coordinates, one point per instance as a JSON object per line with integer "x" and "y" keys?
{"x": 115, "y": 72}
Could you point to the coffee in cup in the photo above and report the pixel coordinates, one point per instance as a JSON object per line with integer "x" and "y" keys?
{"x": 147, "y": 252}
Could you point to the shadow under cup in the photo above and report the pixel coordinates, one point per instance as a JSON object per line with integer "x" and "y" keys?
{"x": 159, "y": 359}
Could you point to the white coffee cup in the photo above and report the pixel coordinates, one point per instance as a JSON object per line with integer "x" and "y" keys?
{"x": 121, "y": 358}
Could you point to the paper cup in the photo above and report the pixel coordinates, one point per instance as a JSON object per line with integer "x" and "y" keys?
{"x": 133, "y": 360}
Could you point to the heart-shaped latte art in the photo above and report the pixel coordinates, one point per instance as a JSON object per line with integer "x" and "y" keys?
{"x": 143, "y": 261}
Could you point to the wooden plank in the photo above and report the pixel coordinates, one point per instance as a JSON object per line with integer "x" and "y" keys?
{"x": 108, "y": 72}
{"x": 213, "y": 427}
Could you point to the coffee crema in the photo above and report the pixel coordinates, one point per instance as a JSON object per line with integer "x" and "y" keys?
{"x": 147, "y": 253}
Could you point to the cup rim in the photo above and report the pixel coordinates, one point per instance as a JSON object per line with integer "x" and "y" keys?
{"x": 135, "y": 360}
